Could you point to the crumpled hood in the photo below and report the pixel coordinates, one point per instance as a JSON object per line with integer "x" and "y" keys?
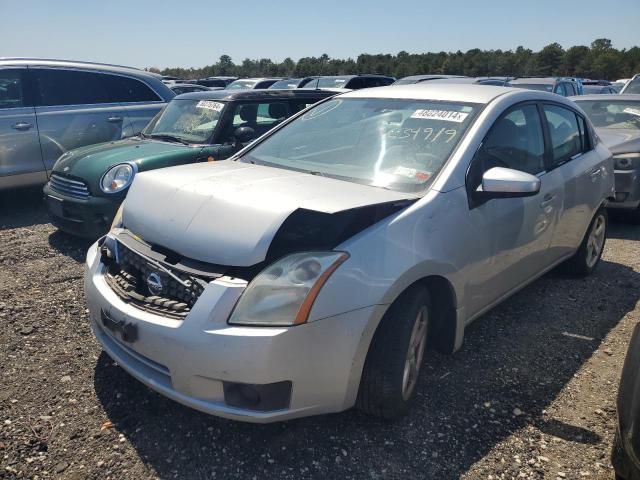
{"x": 228, "y": 212}
{"x": 620, "y": 140}
{"x": 93, "y": 160}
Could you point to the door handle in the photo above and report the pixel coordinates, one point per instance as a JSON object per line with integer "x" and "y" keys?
{"x": 114, "y": 119}
{"x": 22, "y": 126}
{"x": 594, "y": 174}
{"x": 547, "y": 201}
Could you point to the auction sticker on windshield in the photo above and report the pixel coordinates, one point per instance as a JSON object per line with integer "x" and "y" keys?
{"x": 210, "y": 105}
{"x": 445, "y": 115}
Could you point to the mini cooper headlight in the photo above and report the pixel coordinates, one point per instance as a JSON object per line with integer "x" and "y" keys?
{"x": 624, "y": 161}
{"x": 284, "y": 292}
{"x": 118, "y": 177}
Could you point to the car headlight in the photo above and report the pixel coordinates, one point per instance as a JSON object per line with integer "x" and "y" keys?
{"x": 284, "y": 292}
{"x": 624, "y": 161}
{"x": 118, "y": 177}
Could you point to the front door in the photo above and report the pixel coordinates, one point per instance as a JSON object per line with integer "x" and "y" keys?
{"x": 20, "y": 157}
{"x": 515, "y": 232}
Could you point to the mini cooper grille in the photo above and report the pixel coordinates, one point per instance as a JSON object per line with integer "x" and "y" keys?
{"x": 128, "y": 279}
{"x": 69, "y": 187}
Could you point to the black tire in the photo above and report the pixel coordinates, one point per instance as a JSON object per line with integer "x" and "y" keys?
{"x": 582, "y": 264}
{"x": 383, "y": 391}
{"x": 619, "y": 459}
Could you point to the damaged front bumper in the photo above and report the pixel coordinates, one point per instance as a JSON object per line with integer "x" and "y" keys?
{"x": 255, "y": 374}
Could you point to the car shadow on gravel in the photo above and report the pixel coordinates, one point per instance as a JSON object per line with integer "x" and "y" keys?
{"x": 22, "y": 208}
{"x": 70, "y": 245}
{"x": 623, "y": 230}
{"x": 515, "y": 361}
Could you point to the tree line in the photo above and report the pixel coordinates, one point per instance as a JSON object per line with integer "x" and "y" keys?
{"x": 598, "y": 61}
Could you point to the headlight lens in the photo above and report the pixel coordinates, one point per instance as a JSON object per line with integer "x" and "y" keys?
{"x": 284, "y": 292}
{"x": 624, "y": 161}
{"x": 118, "y": 177}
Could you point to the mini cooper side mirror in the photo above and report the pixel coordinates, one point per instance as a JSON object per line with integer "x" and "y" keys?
{"x": 499, "y": 182}
{"x": 244, "y": 134}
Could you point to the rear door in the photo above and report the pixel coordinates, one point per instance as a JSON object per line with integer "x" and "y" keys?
{"x": 74, "y": 109}
{"x": 20, "y": 157}
{"x": 140, "y": 101}
{"x": 572, "y": 155}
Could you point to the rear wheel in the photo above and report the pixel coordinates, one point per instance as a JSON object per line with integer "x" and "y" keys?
{"x": 588, "y": 256}
{"x": 395, "y": 357}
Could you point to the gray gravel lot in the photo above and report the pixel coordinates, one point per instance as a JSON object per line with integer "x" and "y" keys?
{"x": 530, "y": 395}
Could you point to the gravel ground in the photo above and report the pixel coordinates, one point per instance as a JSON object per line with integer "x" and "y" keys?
{"x": 530, "y": 395}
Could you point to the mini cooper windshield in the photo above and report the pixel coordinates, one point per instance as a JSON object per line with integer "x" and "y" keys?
{"x": 186, "y": 121}
{"x": 613, "y": 113}
{"x": 395, "y": 144}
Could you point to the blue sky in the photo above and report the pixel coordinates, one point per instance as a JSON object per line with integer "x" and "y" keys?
{"x": 195, "y": 33}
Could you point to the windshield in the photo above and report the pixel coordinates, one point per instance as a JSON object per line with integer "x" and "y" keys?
{"x": 190, "y": 121}
{"x": 612, "y": 113}
{"x": 543, "y": 87}
{"x": 396, "y": 144}
{"x": 328, "y": 82}
{"x": 633, "y": 86}
{"x": 241, "y": 84}
{"x": 286, "y": 84}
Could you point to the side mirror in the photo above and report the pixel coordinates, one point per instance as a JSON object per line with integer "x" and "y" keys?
{"x": 244, "y": 134}
{"x": 501, "y": 182}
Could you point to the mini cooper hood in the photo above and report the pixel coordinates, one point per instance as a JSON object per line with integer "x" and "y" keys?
{"x": 93, "y": 160}
{"x": 620, "y": 140}
{"x": 228, "y": 212}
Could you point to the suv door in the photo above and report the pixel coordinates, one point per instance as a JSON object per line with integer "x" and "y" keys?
{"x": 141, "y": 102}
{"x": 20, "y": 157}
{"x": 74, "y": 109}
{"x": 518, "y": 230}
{"x": 572, "y": 155}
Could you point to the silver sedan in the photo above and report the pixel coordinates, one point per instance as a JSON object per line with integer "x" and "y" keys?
{"x": 308, "y": 273}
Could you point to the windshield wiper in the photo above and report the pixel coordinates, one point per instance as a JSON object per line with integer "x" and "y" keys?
{"x": 170, "y": 138}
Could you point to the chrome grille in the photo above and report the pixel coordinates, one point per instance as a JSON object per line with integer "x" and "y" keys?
{"x": 66, "y": 186}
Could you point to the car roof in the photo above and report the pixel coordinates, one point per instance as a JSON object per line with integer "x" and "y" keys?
{"x": 259, "y": 79}
{"x": 430, "y": 77}
{"x": 48, "y": 62}
{"x": 453, "y": 92}
{"x": 258, "y": 94}
{"x": 534, "y": 80}
{"x": 634, "y": 97}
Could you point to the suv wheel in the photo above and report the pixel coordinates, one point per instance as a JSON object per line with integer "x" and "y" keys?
{"x": 395, "y": 357}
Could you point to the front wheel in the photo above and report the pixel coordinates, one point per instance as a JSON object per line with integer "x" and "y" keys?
{"x": 395, "y": 357}
{"x": 586, "y": 259}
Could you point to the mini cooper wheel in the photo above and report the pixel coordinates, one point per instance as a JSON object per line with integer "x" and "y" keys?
{"x": 395, "y": 357}
{"x": 588, "y": 256}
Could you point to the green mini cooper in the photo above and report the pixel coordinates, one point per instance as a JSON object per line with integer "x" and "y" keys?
{"x": 88, "y": 184}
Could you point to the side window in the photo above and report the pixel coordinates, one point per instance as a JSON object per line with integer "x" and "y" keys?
{"x": 585, "y": 136}
{"x": 11, "y": 89}
{"x": 559, "y": 90}
{"x": 515, "y": 141}
{"x": 571, "y": 89}
{"x": 564, "y": 131}
{"x": 262, "y": 117}
{"x": 69, "y": 87}
{"x": 127, "y": 90}
{"x": 357, "y": 83}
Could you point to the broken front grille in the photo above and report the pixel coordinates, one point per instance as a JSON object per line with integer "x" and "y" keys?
{"x": 139, "y": 281}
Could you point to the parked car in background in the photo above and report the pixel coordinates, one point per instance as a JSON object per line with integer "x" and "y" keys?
{"x": 48, "y": 107}
{"x": 588, "y": 89}
{"x": 564, "y": 87}
{"x": 618, "y": 85}
{"x": 632, "y": 86}
{"x": 170, "y": 79}
{"x": 180, "y": 88}
{"x": 617, "y": 122}
{"x": 352, "y": 82}
{"x": 220, "y": 82}
{"x": 88, "y": 184}
{"x": 423, "y": 78}
{"x": 252, "y": 83}
{"x": 308, "y": 274}
{"x": 289, "y": 83}
{"x": 625, "y": 454}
